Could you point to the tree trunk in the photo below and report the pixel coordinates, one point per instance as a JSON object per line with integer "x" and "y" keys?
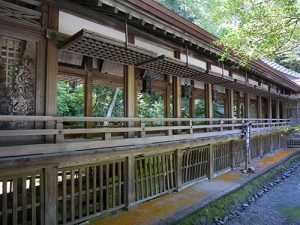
{"x": 112, "y": 105}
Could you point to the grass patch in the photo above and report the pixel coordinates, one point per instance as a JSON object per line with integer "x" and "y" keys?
{"x": 292, "y": 213}
{"x": 221, "y": 206}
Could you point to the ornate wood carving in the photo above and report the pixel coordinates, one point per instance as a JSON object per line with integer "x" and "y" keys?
{"x": 17, "y": 79}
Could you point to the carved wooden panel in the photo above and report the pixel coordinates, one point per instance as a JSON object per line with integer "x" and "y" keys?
{"x": 17, "y": 79}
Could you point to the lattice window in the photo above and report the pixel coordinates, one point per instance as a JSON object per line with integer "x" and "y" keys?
{"x": 11, "y": 54}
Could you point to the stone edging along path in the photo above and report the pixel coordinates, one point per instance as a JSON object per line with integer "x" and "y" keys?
{"x": 228, "y": 206}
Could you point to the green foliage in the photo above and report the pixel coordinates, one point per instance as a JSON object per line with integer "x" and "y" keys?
{"x": 290, "y": 61}
{"x": 150, "y": 105}
{"x": 102, "y": 97}
{"x": 260, "y": 29}
{"x": 69, "y": 102}
{"x": 198, "y": 12}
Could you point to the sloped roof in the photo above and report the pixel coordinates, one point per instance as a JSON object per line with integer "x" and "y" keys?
{"x": 292, "y": 75}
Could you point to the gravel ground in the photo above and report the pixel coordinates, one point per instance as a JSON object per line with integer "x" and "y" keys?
{"x": 277, "y": 204}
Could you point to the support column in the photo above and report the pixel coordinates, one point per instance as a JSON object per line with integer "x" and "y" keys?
{"x": 259, "y": 107}
{"x": 179, "y": 154}
{"x": 277, "y": 109}
{"x": 247, "y": 104}
{"x": 130, "y": 94}
{"x": 211, "y": 162}
{"x": 192, "y": 100}
{"x": 176, "y": 97}
{"x": 88, "y": 91}
{"x": 167, "y": 99}
{"x": 51, "y": 71}
{"x": 50, "y": 185}
{"x": 208, "y": 103}
{"x": 269, "y": 108}
{"x": 229, "y": 105}
{"x": 130, "y": 190}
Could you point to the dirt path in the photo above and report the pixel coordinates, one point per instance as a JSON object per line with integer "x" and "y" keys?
{"x": 280, "y": 205}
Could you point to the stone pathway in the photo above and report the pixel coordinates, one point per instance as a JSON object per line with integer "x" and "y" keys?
{"x": 277, "y": 203}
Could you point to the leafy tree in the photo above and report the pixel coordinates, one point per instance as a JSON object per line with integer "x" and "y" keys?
{"x": 198, "y": 12}
{"x": 70, "y": 102}
{"x": 260, "y": 29}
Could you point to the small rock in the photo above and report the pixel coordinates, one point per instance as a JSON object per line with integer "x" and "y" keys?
{"x": 245, "y": 205}
{"x": 225, "y": 219}
{"x": 271, "y": 184}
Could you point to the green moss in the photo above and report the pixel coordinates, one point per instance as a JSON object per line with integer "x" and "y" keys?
{"x": 292, "y": 213}
{"x": 221, "y": 206}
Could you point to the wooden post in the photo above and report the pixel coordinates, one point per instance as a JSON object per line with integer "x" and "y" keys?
{"x": 50, "y": 195}
{"x": 247, "y": 104}
{"x": 167, "y": 99}
{"x": 130, "y": 94}
{"x": 130, "y": 190}
{"x": 208, "y": 103}
{"x": 277, "y": 109}
{"x": 211, "y": 162}
{"x": 176, "y": 97}
{"x": 229, "y": 105}
{"x": 51, "y": 71}
{"x": 259, "y": 107}
{"x": 59, "y": 126}
{"x": 177, "y": 101}
{"x": 232, "y": 154}
{"x": 192, "y": 101}
{"x": 88, "y": 92}
{"x": 261, "y": 146}
{"x": 179, "y": 154}
{"x": 269, "y": 108}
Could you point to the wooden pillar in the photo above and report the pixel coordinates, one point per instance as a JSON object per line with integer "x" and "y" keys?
{"x": 50, "y": 195}
{"x": 192, "y": 100}
{"x": 208, "y": 101}
{"x": 130, "y": 94}
{"x": 130, "y": 190}
{"x": 176, "y": 97}
{"x": 247, "y": 104}
{"x": 269, "y": 108}
{"x": 167, "y": 99}
{"x": 229, "y": 101}
{"x": 51, "y": 70}
{"x": 277, "y": 109}
{"x": 259, "y": 107}
{"x": 179, "y": 154}
{"x": 211, "y": 162}
{"x": 238, "y": 107}
{"x": 88, "y": 91}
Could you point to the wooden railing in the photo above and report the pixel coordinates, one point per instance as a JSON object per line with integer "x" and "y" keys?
{"x": 99, "y": 132}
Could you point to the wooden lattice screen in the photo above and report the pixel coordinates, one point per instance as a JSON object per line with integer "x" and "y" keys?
{"x": 195, "y": 163}
{"x": 22, "y": 198}
{"x": 154, "y": 175}
{"x": 222, "y": 156}
{"x": 90, "y": 190}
